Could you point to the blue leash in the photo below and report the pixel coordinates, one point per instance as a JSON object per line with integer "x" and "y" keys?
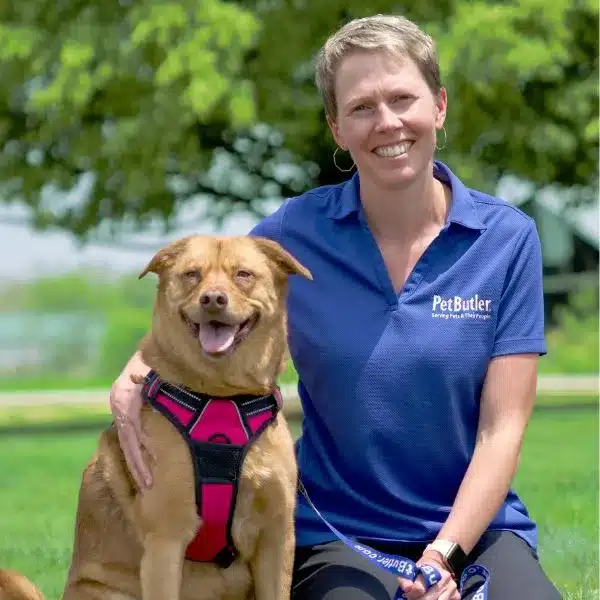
{"x": 404, "y": 567}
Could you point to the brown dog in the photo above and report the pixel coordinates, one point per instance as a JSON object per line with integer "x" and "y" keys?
{"x": 14, "y": 586}
{"x": 218, "y": 328}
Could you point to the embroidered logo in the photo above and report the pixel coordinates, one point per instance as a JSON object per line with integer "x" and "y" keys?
{"x": 457, "y": 307}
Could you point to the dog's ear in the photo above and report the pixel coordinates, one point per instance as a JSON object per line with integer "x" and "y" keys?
{"x": 282, "y": 258}
{"x": 164, "y": 258}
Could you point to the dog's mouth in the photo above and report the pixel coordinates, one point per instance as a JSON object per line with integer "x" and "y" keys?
{"x": 220, "y": 338}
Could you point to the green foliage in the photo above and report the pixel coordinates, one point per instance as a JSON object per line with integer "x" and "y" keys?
{"x": 124, "y": 330}
{"x": 522, "y": 79}
{"x": 70, "y": 293}
{"x": 83, "y": 291}
{"x": 136, "y": 108}
{"x": 573, "y": 343}
{"x": 85, "y": 327}
{"x": 116, "y": 89}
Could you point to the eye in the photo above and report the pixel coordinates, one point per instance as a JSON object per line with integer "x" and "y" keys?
{"x": 400, "y": 98}
{"x": 243, "y": 276}
{"x": 192, "y": 275}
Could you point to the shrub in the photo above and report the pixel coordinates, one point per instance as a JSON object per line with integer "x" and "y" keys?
{"x": 573, "y": 343}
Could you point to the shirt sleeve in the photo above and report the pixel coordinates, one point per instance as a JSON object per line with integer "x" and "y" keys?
{"x": 520, "y": 322}
{"x": 271, "y": 226}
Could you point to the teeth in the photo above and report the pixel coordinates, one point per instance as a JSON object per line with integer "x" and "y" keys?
{"x": 395, "y": 150}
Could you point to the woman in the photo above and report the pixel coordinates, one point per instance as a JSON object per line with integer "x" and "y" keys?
{"x": 416, "y": 344}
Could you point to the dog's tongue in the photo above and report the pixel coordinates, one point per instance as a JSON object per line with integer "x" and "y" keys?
{"x": 216, "y": 337}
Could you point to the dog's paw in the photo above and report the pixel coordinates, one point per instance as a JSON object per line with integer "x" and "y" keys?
{"x": 137, "y": 378}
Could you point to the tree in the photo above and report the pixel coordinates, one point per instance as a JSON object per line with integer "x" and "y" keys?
{"x": 522, "y": 79}
{"x": 120, "y": 99}
{"x": 142, "y": 106}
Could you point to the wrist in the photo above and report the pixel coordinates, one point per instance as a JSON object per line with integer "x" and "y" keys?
{"x": 124, "y": 382}
{"x": 450, "y": 554}
{"x": 432, "y": 556}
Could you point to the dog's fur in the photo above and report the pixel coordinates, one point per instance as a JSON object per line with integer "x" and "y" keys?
{"x": 14, "y": 586}
{"x": 130, "y": 545}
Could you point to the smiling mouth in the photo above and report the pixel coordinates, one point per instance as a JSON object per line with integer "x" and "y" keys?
{"x": 393, "y": 150}
{"x": 219, "y": 338}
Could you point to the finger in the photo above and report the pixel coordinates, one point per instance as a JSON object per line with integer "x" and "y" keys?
{"x": 433, "y": 593}
{"x": 143, "y": 439}
{"x": 147, "y": 445}
{"x": 417, "y": 590}
{"x": 448, "y": 590}
{"x": 437, "y": 591}
{"x": 405, "y": 584}
{"x": 132, "y": 452}
{"x": 137, "y": 439}
{"x": 140, "y": 463}
{"x": 447, "y": 594}
{"x": 131, "y": 466}
{"x": 450, "y": 594}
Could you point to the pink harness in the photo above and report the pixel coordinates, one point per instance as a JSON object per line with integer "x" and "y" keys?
{"x": 219, "y": 432}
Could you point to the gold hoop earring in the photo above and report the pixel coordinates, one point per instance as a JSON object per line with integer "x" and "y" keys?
{"x": 338, "y": 166}
{"x": 445, "y": 140}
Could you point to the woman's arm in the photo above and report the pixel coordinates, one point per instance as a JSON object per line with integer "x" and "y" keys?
{"x": 126, "y": 405}
{"x": 506, "y": 404}
{"x": 135, "y": 366}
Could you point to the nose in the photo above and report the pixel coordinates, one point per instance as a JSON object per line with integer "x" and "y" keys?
{"x": 387, "y": 119}
{"x": 214, "y": 299}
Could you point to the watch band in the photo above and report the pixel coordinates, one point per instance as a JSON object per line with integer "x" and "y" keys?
{"x": 452, "y": 555}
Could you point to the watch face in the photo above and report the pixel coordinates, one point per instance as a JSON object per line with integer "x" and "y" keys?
{"x": 456, "y": 558}
{"x": 452, "y": 554}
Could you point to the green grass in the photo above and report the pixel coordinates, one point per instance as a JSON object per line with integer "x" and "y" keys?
{"x": 99, "y": 413}
{"x": 558, "y": 479}
{"x": 52, "y": 382}
{"x": 60, "y": 382}
{"x": 54, "y": 414}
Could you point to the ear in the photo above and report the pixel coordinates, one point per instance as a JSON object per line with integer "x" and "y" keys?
{"x": 282, "y": 258}
{"x": 441, "y": 105}
{"x": 335, "y": 132}
{"x": 164, "y": 258}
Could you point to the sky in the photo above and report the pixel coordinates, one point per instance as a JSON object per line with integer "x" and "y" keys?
{"x": 26, "y": 253}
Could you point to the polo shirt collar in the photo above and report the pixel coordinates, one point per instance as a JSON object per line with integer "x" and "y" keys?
{"x": 347, "y": 201}
{"x": 462, "y": 210}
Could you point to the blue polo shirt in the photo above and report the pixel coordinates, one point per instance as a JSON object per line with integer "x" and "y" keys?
{"x": 391, "y": 383}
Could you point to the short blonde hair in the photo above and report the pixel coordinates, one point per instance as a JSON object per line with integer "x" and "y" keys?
{"x": 393, "y": 34}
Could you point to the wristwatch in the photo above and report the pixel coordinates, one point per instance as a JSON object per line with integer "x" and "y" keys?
{"x": 453, "y": 556}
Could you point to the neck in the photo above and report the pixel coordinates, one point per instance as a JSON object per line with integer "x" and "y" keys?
{"x": 405, "y": 214}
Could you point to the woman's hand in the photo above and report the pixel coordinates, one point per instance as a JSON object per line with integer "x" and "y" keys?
{"x": 445, "y": 589}
{"x": 126, "y": 406}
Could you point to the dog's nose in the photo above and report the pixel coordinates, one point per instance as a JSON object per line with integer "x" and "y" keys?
{"x": 214, "y": 299}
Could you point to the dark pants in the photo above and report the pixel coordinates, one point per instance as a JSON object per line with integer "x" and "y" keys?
{"x": 333, "y": 571}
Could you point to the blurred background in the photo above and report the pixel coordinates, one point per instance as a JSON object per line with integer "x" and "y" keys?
{"x": 125, "y": 124}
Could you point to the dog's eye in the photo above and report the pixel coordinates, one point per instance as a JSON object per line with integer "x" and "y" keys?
{"x": 243, "y": 274}
{"x": 192, "y": 275}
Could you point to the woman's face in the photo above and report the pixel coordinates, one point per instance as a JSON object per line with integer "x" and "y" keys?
{"x": 386, "y": 118}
